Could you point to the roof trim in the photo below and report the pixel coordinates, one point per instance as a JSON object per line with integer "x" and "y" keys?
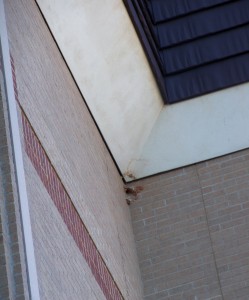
{"x": 144, "y": 34}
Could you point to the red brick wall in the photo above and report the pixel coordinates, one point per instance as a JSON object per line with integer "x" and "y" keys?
{"x": 192, "y": 231}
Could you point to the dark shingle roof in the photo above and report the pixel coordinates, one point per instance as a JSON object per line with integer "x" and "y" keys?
{"x": 199, "y": 46}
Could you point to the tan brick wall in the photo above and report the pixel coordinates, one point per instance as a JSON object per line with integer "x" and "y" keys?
{"x": 68, "y": 213}
{"x": 225, "y": 189}
{"x": 62, "y": 271}
{"x": 192, "y": 231}
{"x": 69, "y": 136}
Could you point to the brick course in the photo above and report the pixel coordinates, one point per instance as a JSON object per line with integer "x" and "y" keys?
{"x": 69, "y": 214}
{"x": 228, "y": 217}
{"x": 65, "y": 206}
{"x": 56, "y": 111}
{"x": 192, "y": 231}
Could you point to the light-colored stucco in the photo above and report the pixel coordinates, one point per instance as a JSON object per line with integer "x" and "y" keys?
{"x": 196, "y": 130}
{"x": 104, "y": 54}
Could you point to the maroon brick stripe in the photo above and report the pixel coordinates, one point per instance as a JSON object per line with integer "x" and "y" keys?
{"x": 66, "y": 208}
{"x": 14, "y": 78}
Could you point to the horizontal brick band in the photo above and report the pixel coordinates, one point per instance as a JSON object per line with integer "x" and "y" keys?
{"x": 66, "y": 208}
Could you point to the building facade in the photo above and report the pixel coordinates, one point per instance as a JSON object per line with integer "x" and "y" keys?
{"x": 82, "y": 120}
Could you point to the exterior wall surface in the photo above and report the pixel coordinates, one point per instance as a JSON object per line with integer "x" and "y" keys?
{"x": 13, "y": 277}
{"x": 4, "y": 170}
{"x": 62, "y": 270}
{"x": 196, "y": 130}
{"x": 191, "y": 225}
{"x": 56, "y": 112}
{"x": 191, "y": 228}
{"x": 104, "y": 54}
{"x": 145, "y": 137}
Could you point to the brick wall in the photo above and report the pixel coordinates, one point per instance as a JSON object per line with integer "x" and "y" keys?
{"x": 4, "y": 289}
{"x": 192, "y": 231}
{"x": 76, "y": 228}
{"x": 63, "y": 272}
{"x": 13, "y": 284}
{"x": 55, "y": 110}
